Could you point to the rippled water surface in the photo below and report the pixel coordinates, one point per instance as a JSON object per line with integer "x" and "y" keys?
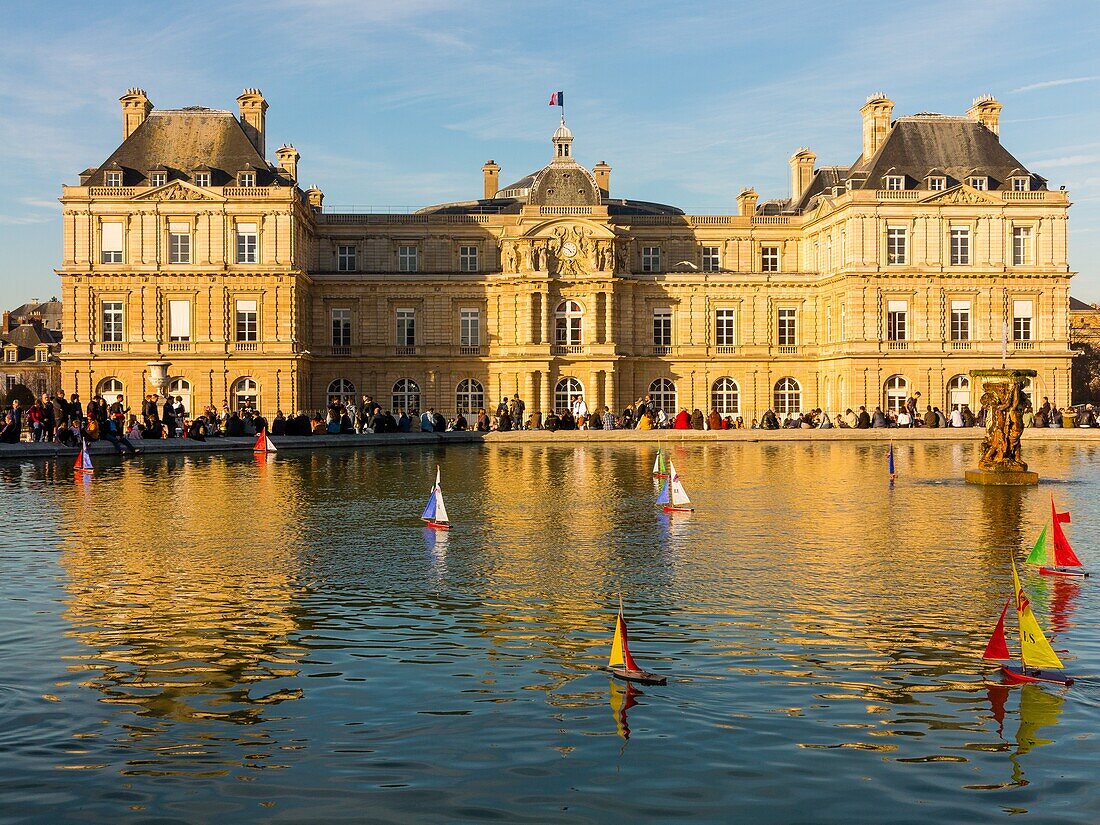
{"x": 218, "y": 639}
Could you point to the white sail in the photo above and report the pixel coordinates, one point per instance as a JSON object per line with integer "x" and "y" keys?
{"x": 657, "y": 463}
{"x": 440, "y": 507}
{"x": 677, "y": 492}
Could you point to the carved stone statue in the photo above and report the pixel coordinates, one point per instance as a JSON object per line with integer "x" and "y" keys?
{"x": 1002, "y": 400}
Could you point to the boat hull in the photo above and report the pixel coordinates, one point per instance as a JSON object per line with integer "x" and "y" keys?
{"x": 1061, "y": 571}
{"x": 679, "y": 509}
{"x": 436, "y": 525}
{"x": 1030, "y": 675}
{"x": 641, "y": 677}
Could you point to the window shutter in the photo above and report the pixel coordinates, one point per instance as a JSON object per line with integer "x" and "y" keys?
{"x": 179, "y": 319}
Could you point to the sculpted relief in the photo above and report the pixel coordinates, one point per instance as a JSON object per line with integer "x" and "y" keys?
{"x": 570, "y": 251}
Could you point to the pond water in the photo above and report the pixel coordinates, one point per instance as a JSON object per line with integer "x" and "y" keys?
{"x": 219, "y": 638}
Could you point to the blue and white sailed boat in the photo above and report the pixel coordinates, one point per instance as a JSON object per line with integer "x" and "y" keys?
{"x": 435, "y": 511}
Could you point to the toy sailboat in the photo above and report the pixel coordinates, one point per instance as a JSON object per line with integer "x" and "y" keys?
{"x": 1053, "y": 561}
{"x": 621, "y": 663}
{"x": 83, "y": 463}
{"x": 435, "y": 511}
{"x": 622, "y": 700}
{"x": 660, "y": 464}
{"x": 1038, "y": 661}
{"x": 263, "y": 443}
{"x": 890, "y": 463}
{"x": 673, "y": 495}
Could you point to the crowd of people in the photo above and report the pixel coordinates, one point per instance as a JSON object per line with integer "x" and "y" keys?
{"x": 65, "y": 420}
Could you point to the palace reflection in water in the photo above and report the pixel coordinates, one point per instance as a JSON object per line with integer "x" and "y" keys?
{"x": 219, "y": 617}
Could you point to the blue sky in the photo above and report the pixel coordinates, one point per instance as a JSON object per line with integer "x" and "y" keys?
{"x": 399, "y": 103}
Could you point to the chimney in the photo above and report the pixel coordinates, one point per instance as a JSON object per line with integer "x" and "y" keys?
{"x": 135, "y": 108}
{"x": 876, "y": 122}
{"x": 7, "y": 321}
{"x": 802, "y": 172}
{"x": 987, "y": 111}
{"x": 315, "y": 197}
{"x": 491, "y": 173}
{"x": 603, "y": 177}
{"x": 746, "y": 202}
{"x": 288, "y": 158}
{"x": 253, "y": 108}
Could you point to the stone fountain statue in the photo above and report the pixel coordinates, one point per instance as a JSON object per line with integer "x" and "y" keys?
{"x": 1003, "y": 401}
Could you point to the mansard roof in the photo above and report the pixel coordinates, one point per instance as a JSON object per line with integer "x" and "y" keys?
{"x": 183, "y": 140}
{"x": 29, "y": 336}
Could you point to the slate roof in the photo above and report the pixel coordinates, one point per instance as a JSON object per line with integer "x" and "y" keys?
{"x": 182, "y": 141}
{"x": 29, "y": 336}
{"x": 48, "y": 311}
{"x": 1077, "y": 305}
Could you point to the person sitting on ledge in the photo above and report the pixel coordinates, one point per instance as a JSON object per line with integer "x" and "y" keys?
{"x": 439, "y": 423}
{"x": 930, "y": 419}
{"x": 682, "y": 420}
{"x": 714, "y": 420}
{"x": 568, "y": 422}
{"x": 427, "y": 421}
{"x": 404, "y": 423}
{"x": 645, "y": 421}
{"x": 198, "y": 429}
{"x": 552, "y": 421}
{"x": 278, "y": 426}
{"x": 608, "y": 419}
{"x": 534, "y": 420}
{"x": 461, "y": 424}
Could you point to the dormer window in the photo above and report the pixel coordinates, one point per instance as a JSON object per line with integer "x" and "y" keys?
{"x": 113, "y": 179}
{"x": 979, "y": 182}
{"x": 894, "y": 182}
{"x": 246, "y": 179}
{"x": 1021, "y": 184}
{"x": 937, "y": 183}
{"x": 202, "y": 179}
{"x": 158, "y": 178}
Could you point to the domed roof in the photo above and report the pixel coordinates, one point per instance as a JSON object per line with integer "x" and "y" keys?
{"x": 563, "y": 132}
{"x": 564, "y": 183}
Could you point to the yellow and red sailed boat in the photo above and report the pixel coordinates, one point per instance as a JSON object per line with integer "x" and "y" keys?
{"x": 621, "y": 663}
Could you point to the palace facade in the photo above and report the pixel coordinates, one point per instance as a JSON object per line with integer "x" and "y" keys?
{"x": 898, "y": 273}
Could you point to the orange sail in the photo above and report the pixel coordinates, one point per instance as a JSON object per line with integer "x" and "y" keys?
{"x": 263, "y": 443}
{"x": 998, "y": 644}
{"x": 1063, "y": 553}
{"x": 620, "y": 646}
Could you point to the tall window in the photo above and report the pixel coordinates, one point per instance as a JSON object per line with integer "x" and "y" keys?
{"x": 469, "y": 327}
{"x": 340, "y": 391}
{"x": 406, "y": 327}
{"x": 960, "y": 245}
{"x": 843, "y": 321}
{"x": 725, "y": 329}
{"x": 406, "y": 395}
{"x": 179, "y": 320}
{"x": 896, "y": 391}
{"x": 341, "y": 327}
{"x": 725, "y": 397}
{"x": 960, "y": 320}
{"x": 651, "y": 259}
{"x": 112, "y": 320}
{"x": 896, "y": 252}
{"x": 470, "y": 396}
{"x": 467, "y": 259}
{"x": 113, "y": 179}
{"x": 662, "y": 393}
{"x": 567, "y": 324}
{"x": 787, "y": 396}
{"x": 769, "y": 259}
{"x": 247, "y": 243}
{"x": 110, "y": 241}
{"x": 1021, "y": 245}
{"x": 1022, "y": 313}
{"x": 894, "y": 182}
{"x": 179, "y": 243}
{"x": 345, "y": 258}
{"x": 897, "y": 321}
{"x": 408, "y": 258}
{"x": 662, "y": 327}
{"x": 247, "y": 320}
{"x": 711, "y": 259}
{"x": 245, "y": 393}
{"x": 566, "y": 391}
{"x": 958, "y": 392}
{"x": 787, "y": 330}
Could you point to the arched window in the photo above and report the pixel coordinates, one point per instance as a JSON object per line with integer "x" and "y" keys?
{"x": 1028, "y": 391}
{"x": 110, "y": 388}
{"x": 725, "y": 397}
{"x": 566, "y": 391}
{"x": 470, "y": 396}
{"x": 340, "y": 391}
{"x": 662, "y": 393}
{"x": 897, "y": 391}
{"x": 245, "y": 393}
{"x": 958, "y": 392}
{"x": 567, "y": 324}
{"x": 181, "y": 388}
{"x": 788, "y": 396}
{"x": 406, "y": 396}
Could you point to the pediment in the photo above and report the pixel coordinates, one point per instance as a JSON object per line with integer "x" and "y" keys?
{"x": 177, "y": 191}
{"x": 554, "y": 227}
{"x": 961, "y": 194}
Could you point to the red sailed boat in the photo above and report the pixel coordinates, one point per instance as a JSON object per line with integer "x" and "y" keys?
{"x": 1060, "y": 557}
{"x": 621, "y": 663}
{"x": 263, "y": 443}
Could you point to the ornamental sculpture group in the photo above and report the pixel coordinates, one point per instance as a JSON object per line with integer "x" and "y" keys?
{"x": 1003, "y": 400}
{"x": 571, "y": 251}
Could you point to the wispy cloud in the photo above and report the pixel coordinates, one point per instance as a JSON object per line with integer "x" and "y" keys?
{"x": 1064, "y": 161}
{"x": 1049, "y": 84}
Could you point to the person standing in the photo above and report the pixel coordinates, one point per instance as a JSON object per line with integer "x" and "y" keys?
{"x": 518, "y": 411}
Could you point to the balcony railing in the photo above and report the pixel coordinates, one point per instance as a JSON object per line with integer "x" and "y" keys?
{"x": 725, "y": 349}
{"x": 787, "y": 349}
{"x": 1023, "y": 344}
{"x": 897, "y": 345}
{"x": 469, "y": 349}
{"x": 659, "y": 350}
{"x": 960, "y": 344}
{"x": 110, "y": 346}
{"x": 341, "y": 351}
{"x": 406, "y": 350}
{"x": 112, "y": 191}
{"x": 246, "y": 346}
{"x": 245, "y": 191}
{"x": 566, "y": 349}
{"x": 179, "y": 346}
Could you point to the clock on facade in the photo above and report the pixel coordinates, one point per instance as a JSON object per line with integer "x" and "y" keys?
{"x": 568, "y": 249}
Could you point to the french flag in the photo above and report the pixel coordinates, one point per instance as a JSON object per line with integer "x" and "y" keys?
{"x": 557, "y": 99}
